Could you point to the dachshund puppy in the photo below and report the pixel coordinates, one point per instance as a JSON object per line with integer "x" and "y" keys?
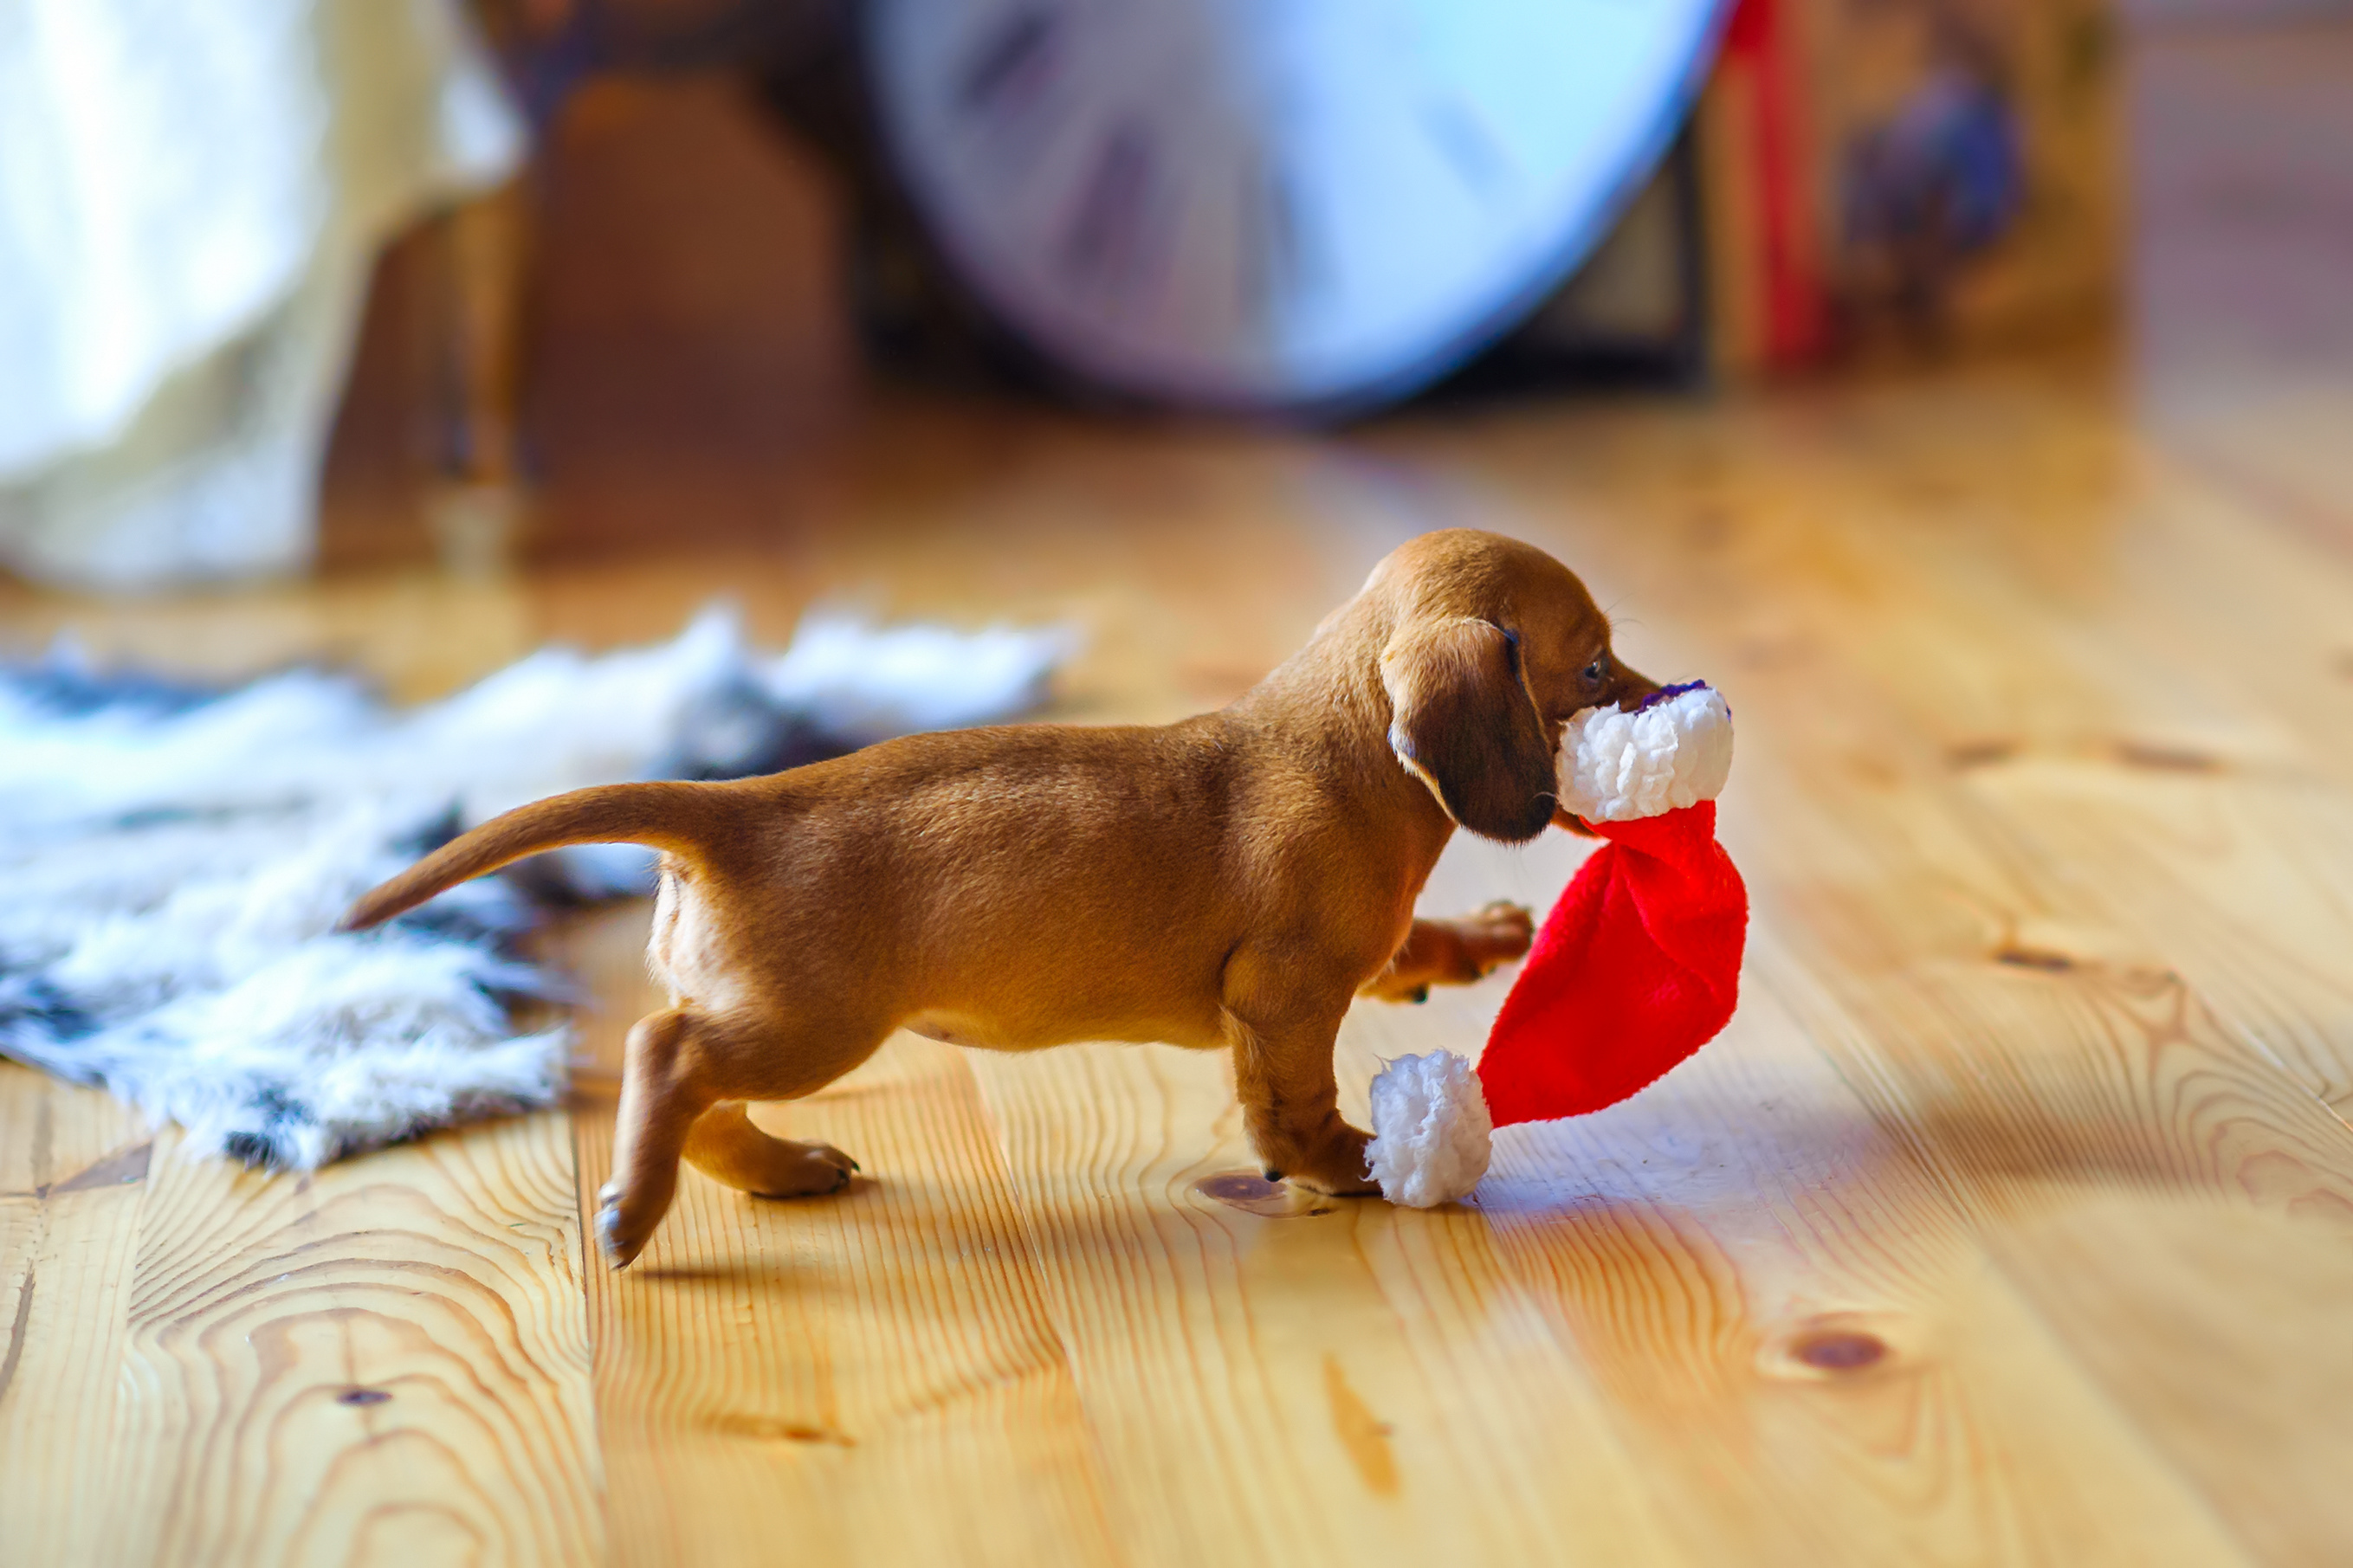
{"x": 1227, "y": 882}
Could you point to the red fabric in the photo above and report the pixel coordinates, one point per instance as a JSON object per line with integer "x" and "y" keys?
{"x": 1636, "y": 967}
{"x": 1759, "y": 41}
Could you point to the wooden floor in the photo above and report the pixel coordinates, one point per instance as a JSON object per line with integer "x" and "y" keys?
{"x": 2011, "y": 1221}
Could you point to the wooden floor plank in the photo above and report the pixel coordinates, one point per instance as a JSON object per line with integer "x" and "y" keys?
{"x": 384, "y": 1361}
{"x": 2046, "y": 797}
{"x": 2244, "y": 887}
{"x": 2217, "y": 1331}
{"x": 73, "y": 1163}
{"x": 1700, "y": 1243}
{"x": 1955, "y": 928}
{"x": 1340, "y": 1383}
{"x": 2155, "y": 1121}
{"x": 868, "y": 1378}
{"x": 2197, "y": 805}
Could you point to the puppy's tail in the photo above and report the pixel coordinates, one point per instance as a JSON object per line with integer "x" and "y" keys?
{"x": 679, "y": 818}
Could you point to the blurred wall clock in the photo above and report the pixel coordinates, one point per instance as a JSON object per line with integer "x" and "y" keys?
{"x": 1274, "y": 205}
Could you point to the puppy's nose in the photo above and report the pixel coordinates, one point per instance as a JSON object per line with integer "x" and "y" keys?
{"x": 1633, "y": 688}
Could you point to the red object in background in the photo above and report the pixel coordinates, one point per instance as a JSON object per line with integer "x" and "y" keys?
{"x": 1636, "y": 968}
{"x": 1760, "y": 44}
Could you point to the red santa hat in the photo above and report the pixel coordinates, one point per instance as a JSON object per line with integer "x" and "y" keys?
{"x": 1637, "y": 967}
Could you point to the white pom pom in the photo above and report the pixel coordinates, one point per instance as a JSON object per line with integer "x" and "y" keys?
{"x": 1615, "y": 767}
{"x": 1430, "y": 1130}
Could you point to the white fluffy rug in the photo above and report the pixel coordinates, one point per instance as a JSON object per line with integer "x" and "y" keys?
{"x": 172, "y": 861}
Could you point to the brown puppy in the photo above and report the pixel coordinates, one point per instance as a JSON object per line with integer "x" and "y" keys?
{"x": 1228, "y": 882}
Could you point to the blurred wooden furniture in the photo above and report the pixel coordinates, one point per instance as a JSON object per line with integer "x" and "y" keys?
{"x": 475, "y": 261}
{"x": 476, "y": 268}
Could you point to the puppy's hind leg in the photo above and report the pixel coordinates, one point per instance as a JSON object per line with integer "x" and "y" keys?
{"x": 662, "y": 1092}
{"x": 726, "y": 1145}
{"x": 682, "y": 1066}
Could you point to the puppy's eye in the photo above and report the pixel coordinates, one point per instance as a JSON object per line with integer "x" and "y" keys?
{"x": 1597, "y": 672}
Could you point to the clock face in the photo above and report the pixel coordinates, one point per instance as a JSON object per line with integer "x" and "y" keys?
{"x": 1274, "y": 203}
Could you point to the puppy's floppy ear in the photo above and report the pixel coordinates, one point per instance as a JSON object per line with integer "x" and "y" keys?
{"x": 1463, "y": 720}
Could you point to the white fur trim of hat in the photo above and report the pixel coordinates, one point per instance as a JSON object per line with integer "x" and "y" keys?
{"x": 1673, "y": 751}
{"x": 1431, "y": 1130}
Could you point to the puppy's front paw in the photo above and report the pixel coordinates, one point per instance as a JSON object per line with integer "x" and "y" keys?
{"x": 1455, "y": 952}
{"x": 1337, "y": 1167}
{"x": 1496, "y": 935}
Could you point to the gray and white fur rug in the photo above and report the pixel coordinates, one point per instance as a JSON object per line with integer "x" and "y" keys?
{"x": 172, "y": 859}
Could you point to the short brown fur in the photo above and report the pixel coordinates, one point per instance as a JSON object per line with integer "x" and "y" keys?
{"x": 1231, "y": 881}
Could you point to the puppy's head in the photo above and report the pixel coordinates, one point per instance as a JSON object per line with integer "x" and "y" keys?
{"x": 1495, "y": 646}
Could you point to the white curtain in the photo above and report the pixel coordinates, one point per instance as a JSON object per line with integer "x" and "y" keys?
{"x": 191, "y": 195}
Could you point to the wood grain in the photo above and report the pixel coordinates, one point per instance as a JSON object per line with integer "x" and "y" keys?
{"x": 382, "y": 1362}
{"x": 72, "y": 1164}
{"x": 1793, "y": 1315}
{"x": 1342, "y": 1383}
